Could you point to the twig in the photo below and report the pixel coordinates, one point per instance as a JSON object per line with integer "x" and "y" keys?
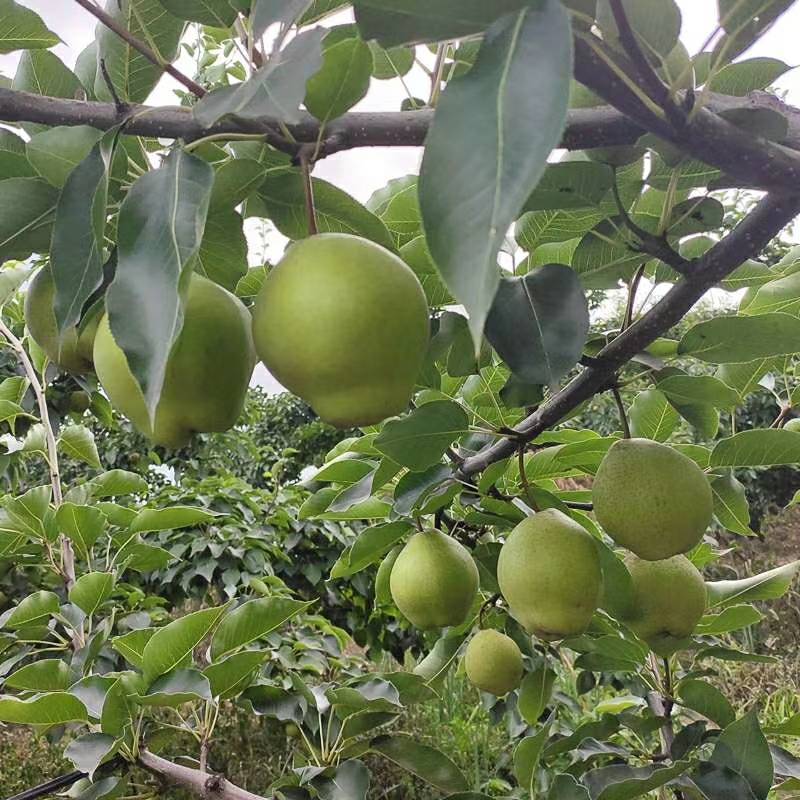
{"x": 195, "y": 88}
{"x": 308, "y": 191}
{"x": 438, "y": 73}
{"x": 632, "y": 290}
{"x": 623, "y": 414}
{"x": 121, "y": 106}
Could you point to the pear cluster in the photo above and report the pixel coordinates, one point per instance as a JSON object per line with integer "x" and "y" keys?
{"x": 341, "y": 322}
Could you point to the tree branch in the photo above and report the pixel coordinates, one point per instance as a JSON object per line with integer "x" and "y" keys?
{"x": 123, "y": 33}
{"x": 769, "y": 217}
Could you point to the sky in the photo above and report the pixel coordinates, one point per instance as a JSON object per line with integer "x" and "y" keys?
{"x": 360, "y": 172}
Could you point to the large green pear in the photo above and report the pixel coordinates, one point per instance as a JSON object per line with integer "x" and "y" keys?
{"x": 74, "y": 352}
{"x": 207, "y": 374}
{"x": 549, "y": 574}
{"x": 651, "y": 499}
{"x": 669, "y": 597}
{"x": 493, "y": 662}
{"x": 343, "y": 323}
{"x": 434, "y": 581}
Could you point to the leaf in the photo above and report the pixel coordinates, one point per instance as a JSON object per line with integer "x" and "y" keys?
{"x": 118, "y": 482}
{"x": 78, "y": 442}
{"x": 392, "y": 63}
{"x": 170, "y": 645}
{"x": 691, "y": 389}
{"x": 254, "y": 620}
{"x": 91, "y": 590}
{"x": 397, "y": 204}
{"x": 176, "y": 688}
{"x": 720, "y": 783}
{"x": 621, "y": 782}
{"x": 479, "y": 169}
{"x": 707, "y": 700}
{"x": 223, "y": 250}
{"x": 565, "y": 787}
{"x": 733, "y": 618}
{"x": 164, "y": 519}
{"x": 651, "y": 416}
{"x": 43, "y": 73}
{"x": 789, "y": 727}
{"x": 13, "y": 161}
{"x": 527, "y": 756}
{"x": 36, "y": 608}
{"x": 23, "y": 29}
{"x": 539, "y": 228}
{"x": 55, "y": 708}
{"x": 570, "y": 185}
{"x": 131, "y": 645}
{"x": 276, "y": 90}
{"x": 538, "y": 324}
{"x": 47, "y": 675}
{"x": 55, "y": 152}
{"x": 534, "y": 694}
{"x": 89, "y": 750}
{"x": 395, "y": 22}
{"x": 730, "y": 505}
{"x": 218, "y": 13}
{"x": 657, "y": 23}
{"x": 283, "y": 199}
{"x": 372, "y": 544}
{"x": 419, "y": 439}
{"x": 434, "y": 667}
{"x": 757, "y": 448}
{"x": 414, "y": 487}
{"x": 82, "y": 525}
{"x": 133, "y": 75}
{"x": 234, "y": 181}
{"x": 425, "y": 762}
{"x": 747, "y": 76}
{"x": 27, "y": 210}
{"x": 233, "y": 674}
{"x": 765, "y": 586}
{"x": 743, "y": 748}
{"x": 737, "y": 339}
{"x": 78, "y": 233}
{"x": 159, "y": 234}
{"x": 418, "y": 257}
{"x": 268, "y": 12}
{"x": 348, "y": 781}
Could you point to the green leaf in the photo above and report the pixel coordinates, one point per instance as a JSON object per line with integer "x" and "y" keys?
{"x": 747, "y": 76}
{"x": 700, "y": 389}
{"x": 419, "y": 439}
{"x": 744, "y": 378}
{"x": 223, "y": 250}
{"x": 414, "y": 488}
{"x": 534, "y": 693}
{"x": 603, "y": 257}
{"x": 36, "y": 608}
{"x": 418, "y": 257}
{"x": 218, "y": 13}
{"x": 11, "y": 278}
{"x": 651, "y": 416}
{"x": 268, "y": 12}
{"x": 23, "y": 29}
{"x": 116, "y": 715}
{"x": 91, "y": 590}
{"x": 479, "y": 169}
{"x": 118, "y": 482}
{"x": 254, "y": 620}
{"x": 233, "y": 674}
{"x": 392, "y": 63}
{"x": 757, "y": 448}
{"x": 55, "y": 152}
{"x": 743, "y": 748}
{"x": 13, "y": 161}
{"x": 171, "y": 645}
{"x": 43, "y": 73}
{"x": 730, "y": 505}
{"x": 397, "y": 204}
{"x": 276, "y": 90}
{"x": 82, "y": 525}
{"x": 733, "y": 618}
{"x": 720, "y": 783}
{"x": 176, "y": 688}
{"x": 250, "y": 285}
{"x": 27, "y": 210}
{"x": 425, "y": 762}
{"x": 164, "y": 519}
{"x": 527, "y": 756}
{"x": 538, "y": 323}
{"x": 145, "y": 557}
{"x": 234, "y": 181}
{"x": 372, "y": 544}
{"x": 547, "y": 227}
{"x": 159, "y": 233}
{"x": 565, "y": 787}
{"x": 133, "y": 75}
{"x": 621, "y": 782}
{"x": 48, "y": 675}
{"x": 348, "y": 781}
{"x": 396, "y": 22}
{"x": 89, "y": 750}
{"x": 77, "y": 442}
{"x": 344, "y": 78}
{"x": 571, "y": 185}
{"x": 435, "y": 666}
{"x": 789, "y": 727}
{"x": 55, "y": 708}
{"x": 657, "y": 23}
{"x": 765, "y": 586}
{"x": 78, "y": 233}
{"x": 283, "y": 200}
{"x": 737, "y": 339}
{"x": 131, "y": 645}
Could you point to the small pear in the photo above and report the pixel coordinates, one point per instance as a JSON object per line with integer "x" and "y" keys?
{"x": 669, "y": 598}
{"x": 549, "y": 574}
{"x": 792, "y": 425}
{"x": 651, "y": 499}
{"x": 493, "y": 662}
{"x": 434, "y": 581}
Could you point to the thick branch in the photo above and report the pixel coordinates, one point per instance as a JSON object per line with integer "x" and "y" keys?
{"x": 213, "y": 787}
{"x": 769, "y": 217}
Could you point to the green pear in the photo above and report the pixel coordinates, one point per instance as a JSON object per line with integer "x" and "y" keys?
{"x": 493, "y": 662}
{"x": 669, "y": 598}
{"x": 434, "y": 581}
{"x": 792, "y": 425}
{"x": 549, "y": 574}
{"x": 74, "y": 352}
{"x": 207, "y": 374}
{"x": 343, "y": 323}
{"x": 651, "y": 499}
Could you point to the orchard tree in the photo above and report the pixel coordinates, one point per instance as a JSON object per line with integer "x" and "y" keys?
{"x": 461, "y": 350}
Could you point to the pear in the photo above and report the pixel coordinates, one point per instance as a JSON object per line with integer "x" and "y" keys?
{"x": 343, "y": 323}
{"x": 669, "y": 598}
{"x": 549, "y": 574}
{"x": 74, "y": 352}
{"x": 651, "y": 499}
{"x": 207, "y": 374}
{"x": 493, "y": 662}
{"x": 434, "y": 581}
{"x": 792, "y": 425}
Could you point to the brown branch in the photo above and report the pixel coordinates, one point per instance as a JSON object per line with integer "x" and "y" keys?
{"x": 123, "y": 33}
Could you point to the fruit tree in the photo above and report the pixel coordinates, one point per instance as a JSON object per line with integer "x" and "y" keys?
{"x": 447, "y": 319}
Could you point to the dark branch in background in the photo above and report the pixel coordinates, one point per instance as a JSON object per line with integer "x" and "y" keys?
{"x": 109, "y": 21}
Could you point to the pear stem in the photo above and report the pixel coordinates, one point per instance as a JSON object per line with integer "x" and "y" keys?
{"x": 308, "y": 187}
{"x": 626, "y": 428}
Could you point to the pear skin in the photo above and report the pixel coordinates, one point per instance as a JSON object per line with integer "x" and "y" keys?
{"x": 493, "y": 662}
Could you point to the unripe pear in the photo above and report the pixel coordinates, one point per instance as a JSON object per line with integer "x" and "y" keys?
{"x": 651, "y": 499}
{"x": 493, "y": 662}
{"x": 549, "y": 574}
{"x": 74, "y": 352}
{"x": 792, "y": 425}
{"x": 343, "y": 323}
{"x": 207, "y": 374}
{"x": 434, "y": 581}
{"x": 669, "y": 598}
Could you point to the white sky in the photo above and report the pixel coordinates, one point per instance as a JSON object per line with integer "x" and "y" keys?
{"x": 362, "y": 171}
